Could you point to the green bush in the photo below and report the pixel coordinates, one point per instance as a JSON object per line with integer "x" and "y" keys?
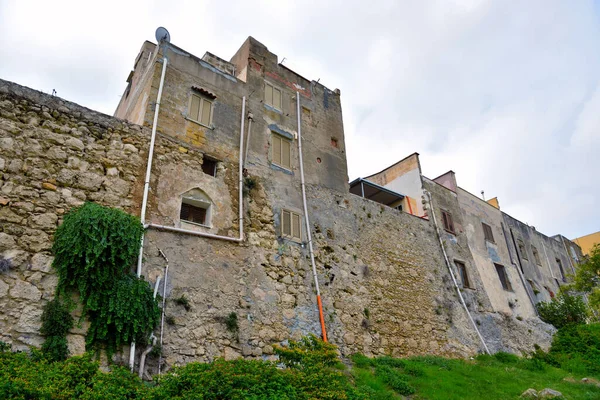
{"x": 563, "y": 310}
{"x": 506, "y": 358}
{"x": 56, "y": 323}
{"x": 576, "y": 348}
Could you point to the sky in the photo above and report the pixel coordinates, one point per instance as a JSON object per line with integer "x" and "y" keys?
{"x": 504, "y": 93}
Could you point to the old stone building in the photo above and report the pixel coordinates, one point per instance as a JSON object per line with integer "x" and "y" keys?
{"x": 236, "y": 143}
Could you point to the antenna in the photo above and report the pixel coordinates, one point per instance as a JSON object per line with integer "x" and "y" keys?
{"x": 483, "y": 195}
{"x": 162, "y": 34}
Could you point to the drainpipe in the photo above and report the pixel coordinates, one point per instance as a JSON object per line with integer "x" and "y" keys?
{"x": 147, "y": 185}
{"x": 162, "y": 316}
{"x": 310, "y": 246}
{"x": 519, "y": 267}
{"x": 462, "y": 300}
{"x": 250, "y": 119}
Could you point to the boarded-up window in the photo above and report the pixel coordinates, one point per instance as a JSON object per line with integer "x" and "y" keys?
{"x": 487, "y": 232}
{"x": 462, "y": 271}
{"x": 272, "y": 96}
{"x": 522, "y": 250}
{"x": 282, "y": 151}
{"x": 536, "y": 255}
{"x": 209, "y": 166}
{"x": 503, "y": 277}
{"x": 447, "y": 220}
{"x": 290, "y": 224}
{"x": 200, "y": 109}
{"x": 191, "y": 213}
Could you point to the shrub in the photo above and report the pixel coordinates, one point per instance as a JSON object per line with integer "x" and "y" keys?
{"x": 563, "y": 310}
{"x": 506, "y": 358}
{"x": 576, "y": 348}
{"x": 56, "y": 323}
{"x": 394, "y": 380}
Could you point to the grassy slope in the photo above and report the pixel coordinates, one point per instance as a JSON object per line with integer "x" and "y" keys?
{"x": 484, "y": 378}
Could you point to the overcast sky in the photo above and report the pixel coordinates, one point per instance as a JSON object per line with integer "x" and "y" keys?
{"x": 504, "y": 93}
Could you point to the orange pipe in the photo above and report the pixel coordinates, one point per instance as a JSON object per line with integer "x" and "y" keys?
{"x": 409, "y": 206}
{"x": 323, "y": 331}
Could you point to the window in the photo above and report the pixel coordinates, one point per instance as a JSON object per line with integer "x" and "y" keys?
{"x": 272, "y": 96}
{"x": 334, "y": 142}
{"x": 191, "y": 213}
{"x": 550, "y": 292}
{"x": 536, "y": 256}
{"x": 448, "y": 223}
{"x": 200, "y": 110}
{"x": 196, "y": 207}
{"x": 209, "y": 166}
{"x": 534, "y": 289}
{"x": 487, "y": 232}
{"x": 290, "y": 225}
{"x": 503, "y": 277}
{"x": 522, "y": 249}
{"x": 282, "y": 151}
{"x": 562, "y": 271}
{"x": 464, "y": 277}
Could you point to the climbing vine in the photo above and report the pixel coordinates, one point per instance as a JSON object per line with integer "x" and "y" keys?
{"x": 56, "y": 323}
{"x": 94, "y": 250}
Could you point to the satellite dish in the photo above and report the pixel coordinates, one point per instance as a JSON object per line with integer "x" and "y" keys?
{"x": 162, "y": 35}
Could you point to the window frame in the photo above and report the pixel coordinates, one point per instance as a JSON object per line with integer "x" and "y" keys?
{"x": 485, "y": 233}
{"x": 562, "y": 271}
{"x": 506, "y": 285}
{"x": 270, "y": 102}
{"x": 461, "y": 266}
{"x": 291, "y": 234}
{"x": 200, "y": 109}
{"x": 215, "y": 165}
{"x": 281, "y": 138}
{"x": 201, "y": 204}
{"x": 522, "y": 249}
{"x": 448, "y": 222}
{"x": 536, "y": 256}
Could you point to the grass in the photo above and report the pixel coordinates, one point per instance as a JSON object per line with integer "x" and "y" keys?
{"x": 502, "y": 376}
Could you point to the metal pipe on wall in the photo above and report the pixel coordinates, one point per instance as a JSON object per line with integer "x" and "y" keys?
{"x": 164, "y": 303}
{"x": 462, "y": 300}
{"x": 308, "y": 233}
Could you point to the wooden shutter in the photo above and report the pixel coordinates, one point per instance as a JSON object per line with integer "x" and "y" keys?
{"x": 286, "y": 223}
{"x": 193, "y": 214}
{"x": 276, "y": 143}
{"x": 277, "y": 98}
{"x": 195, "y": 108}
{"x": 448, "y": 223}
{"x": 503, "y": 277}
{"x": 268, "y": 94}
{"x": 206, "y": 109}
{"x": 296, "y": 226}
{"x": 286, "y": 153}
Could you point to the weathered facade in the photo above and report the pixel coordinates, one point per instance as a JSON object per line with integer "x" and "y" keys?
{"x": 385, "y": 283}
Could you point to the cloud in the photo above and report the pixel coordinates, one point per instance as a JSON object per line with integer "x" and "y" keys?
{"x": 506, "y": 94}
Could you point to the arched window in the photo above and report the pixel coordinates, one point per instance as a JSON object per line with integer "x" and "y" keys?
{"x": 196, "y": 207}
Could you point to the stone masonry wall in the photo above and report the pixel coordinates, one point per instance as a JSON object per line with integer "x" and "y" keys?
{"x": 383, "y": 279}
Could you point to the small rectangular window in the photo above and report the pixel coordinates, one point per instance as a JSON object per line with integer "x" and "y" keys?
{"x": 282, "y": 149}
{"x": 200, "y": 109}
{"x": 522, "y": 250}
{"x": 209, "y": 166}
{"x": 272, "y": 96}
{"x": 447, "y": 220}
{"x": 562, "y": 271}
{"x": 536, "y": 255}
{"x": 462, "y": 270}
{"x": 291, "y": 225}
{"x": 487, "y": 232}
{"x": 193, "y": 214}
{"x": 503, "y": 277}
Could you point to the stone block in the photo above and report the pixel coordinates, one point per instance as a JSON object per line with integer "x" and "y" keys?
{"x": 25, "y": 290}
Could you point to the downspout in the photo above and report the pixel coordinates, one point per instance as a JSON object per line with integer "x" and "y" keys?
{"x": 462, "y": 300}
{"x": 162, "y": 316}
{"x": 152, "y": 337}
{"x": 519, "y": 267}
{"x": 250, "y": 119}
{"x": 147, "y": 185}
{"x": 308, "y": 233}
{"x": 240, "y": 199}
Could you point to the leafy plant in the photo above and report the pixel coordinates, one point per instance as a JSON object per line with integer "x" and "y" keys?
{"x": 56, "y": 323}
{"x": 231, "y": 322}
{"x": 183, "y": 301}
{"x": 587, "y": 279}
{"x": 563, "y": 310}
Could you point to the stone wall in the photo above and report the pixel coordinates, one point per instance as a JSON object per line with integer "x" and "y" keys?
{"x": 385, "y": 286}
{"x": 54, "y": 155}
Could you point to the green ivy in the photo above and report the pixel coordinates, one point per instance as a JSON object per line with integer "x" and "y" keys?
{"x": 56, "y": 323}
{"x": 94, "y": 246}
{"x": 94, "y": 249}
